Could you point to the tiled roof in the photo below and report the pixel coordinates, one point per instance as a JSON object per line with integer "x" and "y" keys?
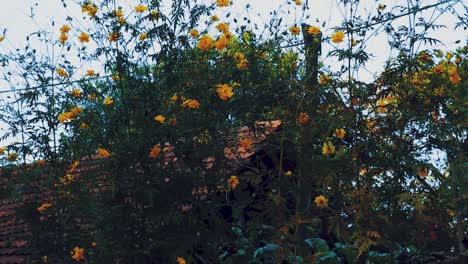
{"x": 16, "y": 234}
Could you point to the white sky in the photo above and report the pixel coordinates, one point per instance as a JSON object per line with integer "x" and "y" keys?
{"x": 15, "y": 16}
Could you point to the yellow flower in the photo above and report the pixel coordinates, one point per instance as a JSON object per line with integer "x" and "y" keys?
{"x": 90, "y": 73}
{"x": 2, "y": 38}
{"x": 313, "y": 30}
{"x": 223, "y": 27}
{"x": 294, "y": 30}
{"x": 12, "y": 156}
{"x": 92, "y": 97}
{"x": 214, "y": 18}
{"x": 321, "y": 201}
{"x": 118, "y": 13}
{"x": 323, "y": 79}
{"x": 328, "y": 148}
{"x": 160, "y": 119}
{"x": 191, "y": 103}
{"x": 43, "y": 207}
{"x": 298, "y": 2}
{"x": 438, "y": 69}
{"x": 90, "y": 9}
{"x": 340, "y": 132}
{"x": 154, "y": 15}
{"x": 423, "y": 172}
{"x": 63, "y": 117}
{"x": 142, "y": 36}
{"x": 121, "y": 20}
{"x": 2, "y": 151}
{"x": 233, "y": 182}
{"x": 382, "y": 7}
{"x": 338, "y": 37}
{"x": 78, "y": 254}
{"x": 84, "y": 126}
{"x": 108, "y": 100}
{"x": 194, "y": 33}
{"x": 303, "y": 118}
{"x": 103, "y": 152}
{"x": 221, "y": 43}
{"x": 246, "y": 143}
{"x": 181, "y": 260}
{"x": 114, "y": 36}
{"x": 83, "y": 38}
{"x": 61, "y": 72}
{"x": 205, "y": 43}
{"x": 115, "y": 77}
{"x": 243, "y": 64}
{"x": 223, "y": 3}
{"x": 154, "y": 153}
{"x": 76, "y": 92}
{"x": 64, "y": 29}
{"x": 141, "y": 8}
{"x": 224, "y": 91}
{"x": 76, "y": 111}
{"x": 289, "y": 173}
{"x": 63, "y": 38}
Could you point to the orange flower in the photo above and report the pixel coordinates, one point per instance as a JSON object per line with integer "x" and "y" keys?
{"x": 114, "y": 36}
{"x": 160, "y": 119}
{"x": 94, "y": 244}
{"x": 224, "y": 91}
{"x": 78, "y": 254}
{"x": 205, "y": 43}
{"x": 63, "y": 38}
{"x": 223, "y": 3}
{"x": 191, "y": 103}
{"x": 438, "y": 69}
{"x": 423, "y": 172}
{"x": 294, "y": 30}
{"x": 65, "y": 29}
{"x": 103, "y": 152}
{"x": 340, "y": 132}
{"x": 83, "y": 37}
{"x": 233, "y": 182}
{"x": 76, "y": 92}
{"x": 298, "y": 2}
{"x": 321, "y": 201}
{"x": 90, "y": 9}
{"x": 328, "y": 148}
{"x": 118, "y": 13}
{"x": 303, "y": 118}
{"x": 141, "y": 8}
{"x": 108, "y": 101}
{"x": 154, "y": 153}
{"x": 323, "y": 79}
{"x": 142, "y": 36}
{"x": 61, "y": 72}
{"x": 221, "y": 43}
{"x": 338, "y": 37}
{"x": 43, "y": 207}
{"x": 214, "y": 18}
{"x": 313, "y": 30}
{"x": 246, "y": 143}
{"x": 194, "y": 33}
{"x": 223, "y": 27}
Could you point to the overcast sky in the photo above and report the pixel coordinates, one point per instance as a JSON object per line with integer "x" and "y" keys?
{"x": 15, "y": 17}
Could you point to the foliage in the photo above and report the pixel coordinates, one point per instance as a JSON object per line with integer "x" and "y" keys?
{"x": 340, "y": 173}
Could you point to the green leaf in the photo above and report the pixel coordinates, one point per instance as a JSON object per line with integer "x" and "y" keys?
{"x": 267, "y": 247}
{"x": 330, "y": 258}
{"x": 347, "y": 251}
{"x": 318, "y": 244}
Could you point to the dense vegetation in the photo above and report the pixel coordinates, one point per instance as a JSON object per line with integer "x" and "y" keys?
{"x": 209, "y": 142}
